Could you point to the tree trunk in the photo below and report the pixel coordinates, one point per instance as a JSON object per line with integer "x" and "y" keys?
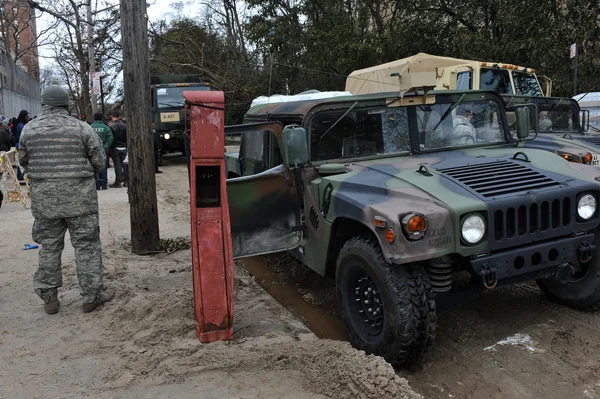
{"x": 136, "y": 78}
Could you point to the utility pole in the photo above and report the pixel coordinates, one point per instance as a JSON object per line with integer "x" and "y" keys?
{"x": 90, "y": 37}
{"x": 145, "y": 237}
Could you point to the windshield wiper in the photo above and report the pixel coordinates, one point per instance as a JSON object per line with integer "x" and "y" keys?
{"x": 557, "y": 104}
{"x": 450, "y": 108}
{"x": 337, "y": 121}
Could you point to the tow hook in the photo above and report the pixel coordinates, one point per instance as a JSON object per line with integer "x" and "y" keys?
{"x": 489, "y": 276}
{"x": 585, "y": 252}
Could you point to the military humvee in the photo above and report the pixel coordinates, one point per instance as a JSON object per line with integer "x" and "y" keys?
{"x": 409, "y": 214}
{"x": 563, "y": 127}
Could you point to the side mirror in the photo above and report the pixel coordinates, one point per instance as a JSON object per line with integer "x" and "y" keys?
{"x": 584, "y": 117}
{"x": 522, "y": 121}
{"x": 295, "y": 146}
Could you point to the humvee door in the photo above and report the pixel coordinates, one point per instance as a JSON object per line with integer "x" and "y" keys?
{"x": 263, "y": 202}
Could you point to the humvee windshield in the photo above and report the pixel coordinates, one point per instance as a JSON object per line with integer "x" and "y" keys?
{"x": 172, "y": 97}
{"x": 553, "y": 115}
{"x": 390, "y": 130}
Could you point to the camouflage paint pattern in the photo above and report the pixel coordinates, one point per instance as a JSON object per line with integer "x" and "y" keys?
{"x": 85, "y": 237}
{"x": 60, "y": 155}
{"x": 392, "y": 186}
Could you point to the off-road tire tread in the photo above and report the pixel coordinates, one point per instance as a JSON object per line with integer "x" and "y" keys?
{"x": 415, "y": 302}
{"x": 586, "y": 308}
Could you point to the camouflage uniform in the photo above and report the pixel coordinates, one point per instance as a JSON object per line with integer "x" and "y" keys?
{"x": 60, "y": 156}
{"x": 462, "y": 127}
{"x": 545, "y": 124}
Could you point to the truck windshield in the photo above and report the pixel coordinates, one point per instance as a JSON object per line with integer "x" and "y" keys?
{"x": 381, "y": 131}
{"x": 172, "y": 97}
{"x": 526, "y": 84}
{"x": 496, "y": 80}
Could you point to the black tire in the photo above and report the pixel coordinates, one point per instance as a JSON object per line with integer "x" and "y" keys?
{"x": 581, "y": 294}
{"x": 407, "y": 326}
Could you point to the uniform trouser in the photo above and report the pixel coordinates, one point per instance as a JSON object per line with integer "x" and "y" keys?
{"x": 85, "y": 237}
{"x": 118, "y": 156}
{"x": 102, "y": 177}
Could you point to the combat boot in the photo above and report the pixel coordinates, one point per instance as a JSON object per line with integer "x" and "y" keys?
{"x": 116, "y": 184}
{"x": 51, "y": 303}
{"x": 101, "y": 298}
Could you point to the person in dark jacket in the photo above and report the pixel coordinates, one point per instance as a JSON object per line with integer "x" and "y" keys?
{"x": 20, "y": 123}
{"x": 7, "y": 140}
{"x": 118, "y": 148}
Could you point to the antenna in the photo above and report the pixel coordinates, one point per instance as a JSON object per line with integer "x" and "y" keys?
{"x": 271, "y": 35}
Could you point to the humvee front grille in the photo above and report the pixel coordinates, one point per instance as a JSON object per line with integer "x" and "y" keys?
{"x": 493, "y": 179}
{"x": 531, "y": 219}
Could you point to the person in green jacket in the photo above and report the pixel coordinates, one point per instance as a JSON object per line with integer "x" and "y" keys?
{"x": 106, "y": 136}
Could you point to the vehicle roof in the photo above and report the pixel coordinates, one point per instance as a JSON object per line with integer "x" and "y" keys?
{"x": 299, "y": 109}
{"x": 588, "y": 100}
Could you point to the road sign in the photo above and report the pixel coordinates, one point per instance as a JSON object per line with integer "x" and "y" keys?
{"x": 96, "y": 81}
{"x": 573, "y": 50}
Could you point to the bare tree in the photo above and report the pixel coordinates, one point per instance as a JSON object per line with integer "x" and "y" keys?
{"x": 71, "y": 46}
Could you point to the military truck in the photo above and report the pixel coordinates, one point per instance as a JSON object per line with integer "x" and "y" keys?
{"x": 168, "y": 113}
{"x": 563, "y": 127}
{"x": 407, "y": 213}
{"x": 447, "y": 74}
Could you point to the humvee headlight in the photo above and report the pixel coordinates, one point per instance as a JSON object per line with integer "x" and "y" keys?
{"x": 167, "y": 136}
{"x": 586, "y": 206}
{"x": 473, "y": 229}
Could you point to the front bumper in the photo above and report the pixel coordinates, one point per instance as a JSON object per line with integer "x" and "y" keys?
{"x": 514, "y": 262}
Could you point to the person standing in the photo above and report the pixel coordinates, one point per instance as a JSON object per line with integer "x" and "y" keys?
{"x": 20, "y": 123}
{"x": 7, "y": 140}
{"x": 106, "y": 137}
{"x": 60, "y": 156}
{"x": 119, "y": 148}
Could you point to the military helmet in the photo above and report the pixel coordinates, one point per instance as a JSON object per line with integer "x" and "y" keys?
{"x": 55, "y": 96}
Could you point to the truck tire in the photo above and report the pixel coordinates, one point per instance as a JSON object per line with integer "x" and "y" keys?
{"x": 388, "y": 310}
{"x": 584, "y": 292}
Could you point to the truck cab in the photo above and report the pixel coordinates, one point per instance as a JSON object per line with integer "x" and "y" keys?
{"x": 168, "y": 112}
{"x": 447, "y": 74}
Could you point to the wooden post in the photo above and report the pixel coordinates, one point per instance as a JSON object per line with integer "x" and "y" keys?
{"x": 136, "y": 78}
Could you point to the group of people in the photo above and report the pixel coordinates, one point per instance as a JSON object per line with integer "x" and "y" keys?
{"x": 10, "y": 135}
{"x": 10, "y": 130}
{"x": 113, "y": 136}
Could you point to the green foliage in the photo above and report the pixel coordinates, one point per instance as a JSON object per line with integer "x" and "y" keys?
{"x": 317, "y": 43}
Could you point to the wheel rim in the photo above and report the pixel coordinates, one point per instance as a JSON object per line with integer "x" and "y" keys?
{"x": 367, "y": 306}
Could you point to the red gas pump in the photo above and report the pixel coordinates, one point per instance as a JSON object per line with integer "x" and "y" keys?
{"x": 212, "y": 254}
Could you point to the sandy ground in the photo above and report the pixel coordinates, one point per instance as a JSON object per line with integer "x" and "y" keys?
{"x": 143, "y": 344}
{"x": 511, "y": 343}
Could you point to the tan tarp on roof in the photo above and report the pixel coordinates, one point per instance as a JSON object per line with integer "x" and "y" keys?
{"x": 377, "y": 79}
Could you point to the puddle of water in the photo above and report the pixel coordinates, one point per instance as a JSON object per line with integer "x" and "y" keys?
{"x": 320, "y": 319}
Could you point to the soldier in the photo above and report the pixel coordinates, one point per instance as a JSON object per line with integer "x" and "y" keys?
{"x": 60, "y": 156}
{"x": 545, "y": 123}
{"x": 463, "y": 132}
